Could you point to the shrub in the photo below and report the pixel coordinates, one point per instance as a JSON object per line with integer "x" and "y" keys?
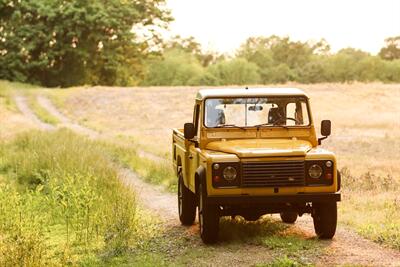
{"x": 70, "y": 195}
{"x": 237, "y": 71}
{"x": 177, "y": 67}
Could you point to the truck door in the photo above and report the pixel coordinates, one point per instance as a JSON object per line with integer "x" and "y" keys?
{"x": 193, "y": 155}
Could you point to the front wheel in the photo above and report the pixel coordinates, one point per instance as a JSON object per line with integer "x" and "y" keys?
{"x": 208, "y": 218}
{"x": 325, "y": 219}
{"x": 186, "y": 203}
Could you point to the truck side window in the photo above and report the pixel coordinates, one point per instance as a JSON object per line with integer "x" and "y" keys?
{"x": 196, "y": 117}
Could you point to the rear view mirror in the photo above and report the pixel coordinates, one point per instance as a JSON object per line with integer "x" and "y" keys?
{"x": 325, "y": 130}
{"x": 188, "y": 130}
{"x": 255, "y": 108}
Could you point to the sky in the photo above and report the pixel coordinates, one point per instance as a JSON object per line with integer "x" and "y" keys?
{"x": 222, "y": 25}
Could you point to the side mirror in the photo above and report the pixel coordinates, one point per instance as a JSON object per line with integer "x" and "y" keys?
{"x": 188, "y": 130}
{"x": 325, "y": 130}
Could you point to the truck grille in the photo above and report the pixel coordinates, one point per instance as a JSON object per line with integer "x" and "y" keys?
{"x": 273, "y": 174}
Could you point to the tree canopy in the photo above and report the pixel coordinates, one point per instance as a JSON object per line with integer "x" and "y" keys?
{"x": 64, "y": 43}
{"x": 391, "y": 50}
{"x": 118, "y": 42}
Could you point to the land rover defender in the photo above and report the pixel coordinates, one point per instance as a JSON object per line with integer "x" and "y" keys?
{"x": 250, "y": 152}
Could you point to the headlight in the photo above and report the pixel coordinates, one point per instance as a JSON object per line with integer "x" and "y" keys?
{"x": 315, "y": 171}
{"x": 229, "y": 173}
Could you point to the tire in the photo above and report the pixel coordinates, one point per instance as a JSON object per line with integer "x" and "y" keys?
{"x": 251, "y": 217}
{"x": 289, "y": 216}
{"x": 208, "y": 218}
{"x": 325, "y": 219}
{"x": 186, "y": 203}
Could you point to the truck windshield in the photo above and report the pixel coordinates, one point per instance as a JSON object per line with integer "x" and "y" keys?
{"x": 256, "y": 112}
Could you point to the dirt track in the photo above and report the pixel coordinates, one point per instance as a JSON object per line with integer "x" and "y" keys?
{"x": 346, "y": 248}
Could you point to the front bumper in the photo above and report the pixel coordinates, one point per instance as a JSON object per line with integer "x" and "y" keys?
{"x": 273, "y": 199}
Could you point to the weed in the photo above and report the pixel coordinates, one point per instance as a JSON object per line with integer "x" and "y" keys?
{"x": 283, "y": 262}
{"x": 64, "y": 207}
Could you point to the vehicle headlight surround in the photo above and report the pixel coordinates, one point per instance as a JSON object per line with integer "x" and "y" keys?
{"x": 229, "y": 173}
{"x": 315, "y": 171}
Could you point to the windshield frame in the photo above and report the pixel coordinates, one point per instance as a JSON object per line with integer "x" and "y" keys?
{"x": 303, "y": 97}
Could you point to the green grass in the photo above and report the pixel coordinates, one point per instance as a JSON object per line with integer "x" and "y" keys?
{"x": 7, "y": 89}
{"x": 283, "y": 262}
{"x": 158, "y": 173}
{"x": 270, "y": 233}
{"x": 41, "y": 112}
{"x": 58, "y": 208}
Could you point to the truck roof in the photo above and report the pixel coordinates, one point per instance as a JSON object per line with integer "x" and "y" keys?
{"x": 237, "y": 92}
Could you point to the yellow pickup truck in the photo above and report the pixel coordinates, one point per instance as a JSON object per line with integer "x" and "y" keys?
{"x": 251, "y": 152}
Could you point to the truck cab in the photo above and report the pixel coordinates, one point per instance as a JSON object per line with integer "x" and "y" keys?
{"x": 250, "y": 152}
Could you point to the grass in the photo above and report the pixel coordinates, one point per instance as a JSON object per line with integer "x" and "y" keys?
{"x": 11, "y": 120}
{"x": 157, "y": 173}
{"x": 59, "y": 209}
{"x": 366, "y": 143}
{"x": 41, "y": 112}
{"x": 282, "y": 239}
{"x": 6, "y": 92}
{"x": 283, "y": 262}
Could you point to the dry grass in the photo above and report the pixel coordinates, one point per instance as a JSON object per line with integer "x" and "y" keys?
{"x": 366, "y": 136}
{"x": 365, "y": 117}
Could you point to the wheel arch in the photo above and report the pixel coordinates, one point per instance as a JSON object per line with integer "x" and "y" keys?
{"x": 199, "y": 176}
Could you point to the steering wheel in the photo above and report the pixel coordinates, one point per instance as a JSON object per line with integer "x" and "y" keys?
{"x": 282, "y": 118}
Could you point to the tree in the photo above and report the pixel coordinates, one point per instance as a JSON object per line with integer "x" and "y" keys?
{"x": 237, "y": 71}
{"x": 177, "y": 67}
{"x": 64, "y": 43}
{"x": 190, "y": 45}
{"x": 392, "y": 49}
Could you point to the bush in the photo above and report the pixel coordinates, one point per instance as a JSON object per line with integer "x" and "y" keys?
{"x": 279, "y": 74}
{"x": 75, "y": 202}
{"x": 237, "y": 71}
{"x": 176, "y": 68}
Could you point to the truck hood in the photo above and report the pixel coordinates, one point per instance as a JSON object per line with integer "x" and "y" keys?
{"x": 262, "y": 147}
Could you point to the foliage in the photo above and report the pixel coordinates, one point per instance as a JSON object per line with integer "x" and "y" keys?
{"x": 191, "y": 46}
{"x": 237, "y": 71}
{"x": 60, "y": 208}
{"x": 391, "y": 50}
{"x": 178, "y": 67}
{"x": 64, "y": 43}
{"x": 281, "y": 60}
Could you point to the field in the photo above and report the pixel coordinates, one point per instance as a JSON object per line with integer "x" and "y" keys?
{"x": 135, "y": 129}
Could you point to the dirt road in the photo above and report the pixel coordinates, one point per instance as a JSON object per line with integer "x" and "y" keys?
{"x": 347, "y": 247}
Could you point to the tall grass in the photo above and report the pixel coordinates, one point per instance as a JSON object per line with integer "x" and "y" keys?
{"x": 371, "y": 205}
{"x": 158, "y": 172}
{"x": 61, "y": 201}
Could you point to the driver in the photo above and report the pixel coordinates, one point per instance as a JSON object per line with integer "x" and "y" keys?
{"x": 276, "y": 116}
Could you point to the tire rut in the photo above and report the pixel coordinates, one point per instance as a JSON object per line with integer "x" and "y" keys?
{"x": 23, "y": 106}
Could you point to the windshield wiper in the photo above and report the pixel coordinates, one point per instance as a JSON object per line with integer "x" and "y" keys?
{"x": 270, "y": 124}
{"x": 229, "y": 125}
{"x": 262, "y": 124}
